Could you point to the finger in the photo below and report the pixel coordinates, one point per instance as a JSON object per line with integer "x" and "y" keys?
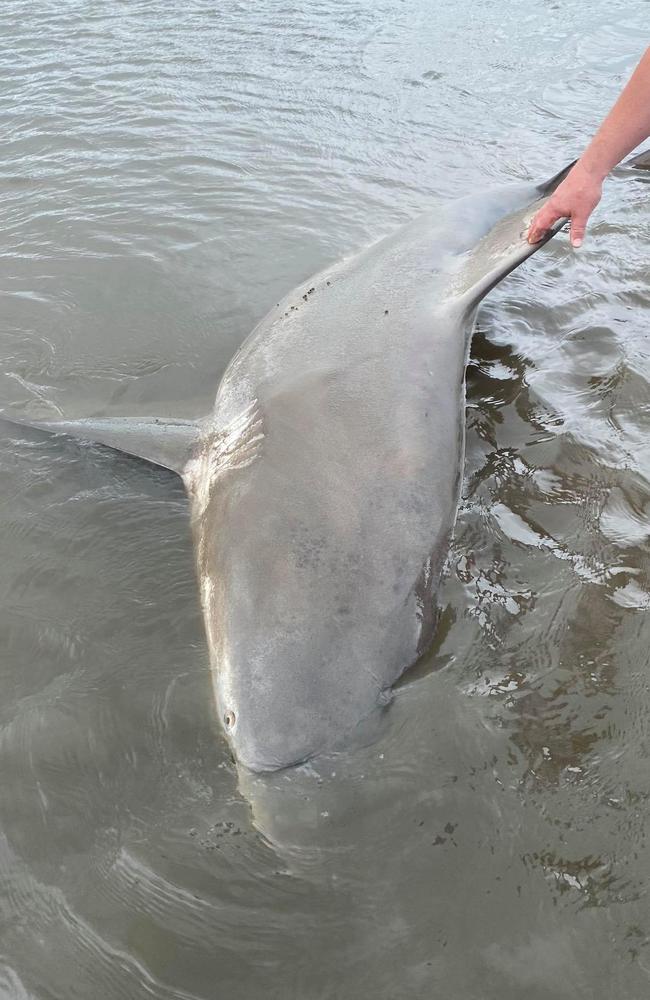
{"x": 578, "y": 228}
{"x": 541, "y": 223}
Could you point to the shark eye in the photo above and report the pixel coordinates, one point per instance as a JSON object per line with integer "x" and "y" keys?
{"x": 229, "y": 719}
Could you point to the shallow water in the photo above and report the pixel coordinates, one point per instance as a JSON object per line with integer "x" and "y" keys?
{"x": 165, "y": 176}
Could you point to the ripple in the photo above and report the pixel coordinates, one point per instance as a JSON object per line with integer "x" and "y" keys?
{"x": 165, "y": 179}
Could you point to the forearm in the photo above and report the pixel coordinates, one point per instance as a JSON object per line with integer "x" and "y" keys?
{"x": 626, "y": 125}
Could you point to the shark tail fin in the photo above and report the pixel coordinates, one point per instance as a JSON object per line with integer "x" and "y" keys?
{"x": 162, "y": 441}
{"x": 640, "y": 162}
{"x": 505, "y": 246}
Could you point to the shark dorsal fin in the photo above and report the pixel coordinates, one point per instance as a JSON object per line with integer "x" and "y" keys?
{"x": 504, "y": 247}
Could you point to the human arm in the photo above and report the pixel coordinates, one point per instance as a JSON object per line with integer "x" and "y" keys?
{"x": 626, "y": 125}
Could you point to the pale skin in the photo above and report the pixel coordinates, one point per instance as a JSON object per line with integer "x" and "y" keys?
{"x": 626, "y": 125}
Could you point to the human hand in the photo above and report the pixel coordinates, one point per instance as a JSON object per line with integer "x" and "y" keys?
{"x": 574, "y": 199}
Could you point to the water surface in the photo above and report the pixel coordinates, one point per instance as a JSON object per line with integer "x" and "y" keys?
{"x": 168, "y": 171}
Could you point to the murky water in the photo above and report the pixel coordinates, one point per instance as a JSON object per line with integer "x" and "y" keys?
{"x": 168, "y": 170}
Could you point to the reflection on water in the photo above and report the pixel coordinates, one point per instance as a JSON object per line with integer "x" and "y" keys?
{"x": 166, "y": 176}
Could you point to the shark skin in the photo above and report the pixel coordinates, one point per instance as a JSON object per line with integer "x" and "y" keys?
{"x": 324, "y": 485}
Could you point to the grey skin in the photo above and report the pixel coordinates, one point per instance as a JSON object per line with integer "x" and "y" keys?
{"x": 324, "y": 485}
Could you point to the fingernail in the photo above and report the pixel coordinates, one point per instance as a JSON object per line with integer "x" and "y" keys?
{"x": 576, "y": 243}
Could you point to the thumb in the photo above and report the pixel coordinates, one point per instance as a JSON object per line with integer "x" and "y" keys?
{"x": 578, "y": 227}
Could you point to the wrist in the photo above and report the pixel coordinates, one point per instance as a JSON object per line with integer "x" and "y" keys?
{"x": 596, "y": 165}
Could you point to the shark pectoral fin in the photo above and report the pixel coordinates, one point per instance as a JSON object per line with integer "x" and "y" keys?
{"x": 163, "y": 441}
{"x": 505, "y": 246}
